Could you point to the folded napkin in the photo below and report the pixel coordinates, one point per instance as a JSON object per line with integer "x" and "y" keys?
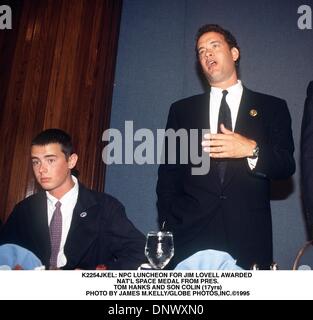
{"x": 209, "y": 260}
{"x": 12, "y": 255}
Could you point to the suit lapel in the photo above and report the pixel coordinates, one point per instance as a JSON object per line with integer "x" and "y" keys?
{"x": 244, "y": 121}
{"x": 84, "y": 227}
{"x": 205, "y": 114}
{"x": 198, "y": 113}
{"x": 244, "y": 126}
{"x": 203, "y": 122}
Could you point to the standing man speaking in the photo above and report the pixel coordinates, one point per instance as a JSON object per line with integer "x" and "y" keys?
{"x": 249, "y": 144}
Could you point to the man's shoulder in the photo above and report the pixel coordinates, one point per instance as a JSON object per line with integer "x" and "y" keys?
{"x": 101, "y": 198}
{"x": 32, "y": 199}
{"x": 188, "y": 107}
{"x": 263, "y": 96}
{"x": 27, "y": 206}
{"x": 107, "y": 199}
{"x": 195, "y": 99}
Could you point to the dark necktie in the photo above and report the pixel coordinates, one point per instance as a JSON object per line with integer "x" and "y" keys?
{"x": 55, "y": 234}
{"x": 224, "y": 116}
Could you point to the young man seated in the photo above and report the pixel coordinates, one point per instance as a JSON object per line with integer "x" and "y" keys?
{"x": 68, "y": 226}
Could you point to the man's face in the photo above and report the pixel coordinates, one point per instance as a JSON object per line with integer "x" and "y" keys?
{"x": 51, "y": 169}
{"x": 217, "y": 60}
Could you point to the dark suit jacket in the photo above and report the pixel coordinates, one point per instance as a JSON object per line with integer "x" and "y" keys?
{"x": 236, "y": 216}
{"x": 307, "y": 158}
{"x": 103, "y": 235}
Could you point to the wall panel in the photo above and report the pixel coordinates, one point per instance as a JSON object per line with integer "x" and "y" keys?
{"x": 58, "y": 68}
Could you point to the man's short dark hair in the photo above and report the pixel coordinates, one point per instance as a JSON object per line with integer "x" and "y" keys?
{"x": 55, "y": 136}
{"x": 228, "y": 36}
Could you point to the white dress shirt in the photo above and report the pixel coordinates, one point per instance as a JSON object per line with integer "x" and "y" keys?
{"x": 233, "y": 99}
{"x": 68, "y": 202}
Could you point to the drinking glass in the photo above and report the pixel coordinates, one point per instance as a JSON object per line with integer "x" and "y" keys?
{"x": 159, "y": 248}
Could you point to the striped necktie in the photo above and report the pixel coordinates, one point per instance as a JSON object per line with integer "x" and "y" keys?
{"x": 55, "y": 235}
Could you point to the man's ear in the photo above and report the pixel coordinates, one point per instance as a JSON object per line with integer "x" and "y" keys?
{"x": 72, "y": 160}
{"x": 235, "y": 53}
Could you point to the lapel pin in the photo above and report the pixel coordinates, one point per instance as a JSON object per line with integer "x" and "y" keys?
{"x": 83, "y": 214}
{"x": 253, "y": 113}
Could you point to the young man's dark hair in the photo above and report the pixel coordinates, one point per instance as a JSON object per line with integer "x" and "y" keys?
{"x": 228, "y": 36}
{"x": 55, "y": 136}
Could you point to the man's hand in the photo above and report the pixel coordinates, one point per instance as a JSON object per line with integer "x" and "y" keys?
{"x": 228, "y": 145}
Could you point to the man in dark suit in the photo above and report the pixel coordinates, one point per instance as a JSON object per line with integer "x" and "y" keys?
{"x": 307, "y": 159}
{"x": 250, "y": 143}
{"x": 67, "y": 225}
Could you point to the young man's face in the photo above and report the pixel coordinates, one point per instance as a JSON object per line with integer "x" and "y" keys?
{"x": 217, "y": 60}
{"x": 51, "y": 168}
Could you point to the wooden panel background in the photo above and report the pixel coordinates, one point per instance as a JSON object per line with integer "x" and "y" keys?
{"x": 57, "y": 71}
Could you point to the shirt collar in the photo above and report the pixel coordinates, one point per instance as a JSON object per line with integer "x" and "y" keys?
{"x": 234, "y": 89}
{"x": 68, "y": 195}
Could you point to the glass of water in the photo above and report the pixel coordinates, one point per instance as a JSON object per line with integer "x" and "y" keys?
{"x": 159, "y": 248}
